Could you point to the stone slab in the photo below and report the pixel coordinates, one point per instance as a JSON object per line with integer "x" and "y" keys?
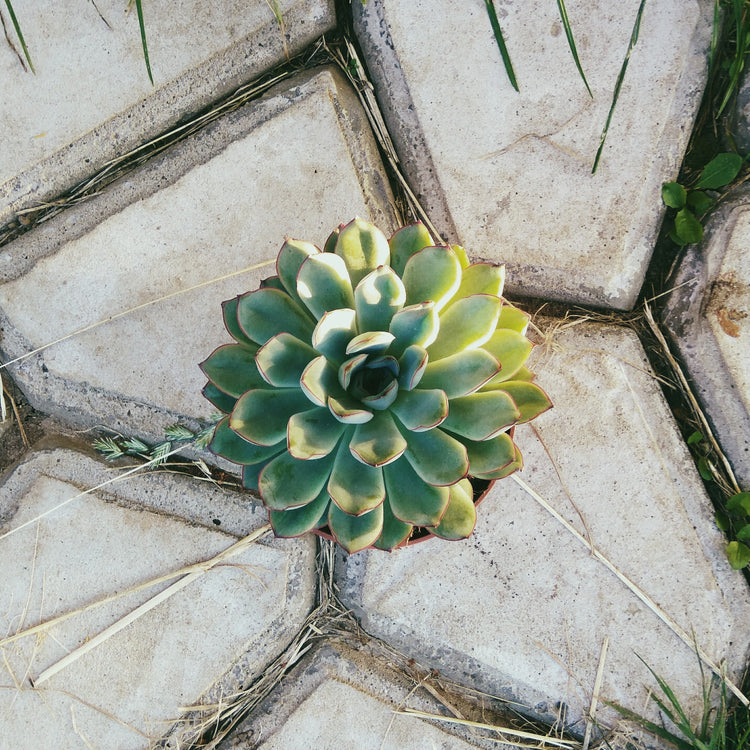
{"x": 297, "y": 162}
{"x": 91, "y": 100}
{"x": 340, "y": 698}
{"x": 206, "y": 641}
{"x": 521, "y": 609}
{"x": 507, "y": 174}
{"x": 708, "y": 316}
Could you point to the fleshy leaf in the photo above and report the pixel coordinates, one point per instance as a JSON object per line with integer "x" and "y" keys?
{"x": 319, "y": 381}
{"x": 323, "y": 284}
{"x": 370, "y": 342}
{"x": 466, "y": 324}
{"x": 264, "y": 313}
{"x": 377, "y": 442}
{"x": 414, "y": 325}
{"x": 354, "y": 533}
{"x": 261, "y": 416}
{"x": 411, "y": 499}
{"x": 363, "y": 248}
{"x": 437, "y": 457}
{"x": 231, "y": 368}
{"x": 348, "y": 411}
{"x": 421, "y": 410}
{"x": 412, "y": 366}
{"x": 377, "y": 298}
{"x": 406, "y": 242}
{"x": 298, "y": 521}
{"x": 461, "y": 515}
{"x": 349, "y": 368}
{"x": 462, "y": 373}
{"x": 481, "y": 416}
{"x": 463, "y": 258}
{"x": 394, "y": 532}
{"x": 432, "y": 274}
{"x": 227, "y": 443}
{"x": 288, "y": 482}
{"x": 513, "y": 318}
{"x": 292, "y": 255}
{"x": 383, "y": 399}
{"x": 282, "y": 360}
{"x": 251, "y": 474}
{"x": 272, "y": 282}
{"x": 355, "y": 487}
{"x": 481, "y": 278}
{"x": 333, "y": 237}
{"x": 222, "y": 401}
{"x": 530, "y": 399}
{"x": 333, "y": 333}
{"x": 504, "y": 471}
{"x": 511, "y": 349}
{"x": 313, "y": 434}
{"x": 487, "y": 456}
{"x": 229, "y": 312}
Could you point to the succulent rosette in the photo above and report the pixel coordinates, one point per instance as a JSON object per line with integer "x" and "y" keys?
{"x": 367, "y": 383}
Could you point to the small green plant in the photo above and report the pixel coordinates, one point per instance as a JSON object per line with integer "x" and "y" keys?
{"x": 730, "y": 45}
{"x": 367, "y": 382}
{"x": 690, "y": 204}
{"x": 738, "y": 510}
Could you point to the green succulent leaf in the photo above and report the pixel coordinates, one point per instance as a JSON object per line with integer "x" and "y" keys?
{"x": 466, "y": 324}
{"x": 412, "y": 366}
{"x": 720, "y": 171}
{"x": 504, "y": 471}
{"x": 231, "y": 368}
{"x": 411, "y": 499}
{"x": 288, "y": 482}
{"x": 355, "y": 487}
{"x": 481, "y": 416}
{"x": 462, "y": 373}
{"x": 432, "y": 274}
{"x": 436, "y": 456}
{"x": 229, "y": 313}
{"x": 298, "y": 521}
{"x": 481, "y": 278}
{"x": 363, "y": 248}
{"x": 419, "y": 410}
{"x": 377, "y": 442}
{"x": 461, "y": 515}
{"x": 282, "y": 360}
{"x": 333, "y": 237}
{"x": 348, "y": 410}
{"x": 511, "y": 349}
{"x": 349, "y": 368}
{"x": 383, "y": 399}
{"x": 377, "y": 298}
{"x": 222, "y": 401}
{"x": 333, "y": 333}
{"x": 488, "y": 456}
{"x": 261, "y": 416}
{"x": 530, "y": 399}
{"x": 674, "y": 195}
{"x": 395, "y": 532}
{"x": 406, "y": 242}
{"x": 251, "y": 474}
{"x": 513, "y": 318}
{"x": 313, "y": 434}
{"x": 416, "y": 325}
{"x": 354, "y": 533}
{"x": 292, "y": 255}
{"x": 227, "y": 443}
{"x": 264, "y": 313}
{"x": 319, "y": 381}
{"x": 323, "y": 284}
{"x": 273, "y": 282}
{"x": 370, "y": 342}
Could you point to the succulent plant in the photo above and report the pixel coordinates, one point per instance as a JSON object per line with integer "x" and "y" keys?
{"x": 367, "y": 383}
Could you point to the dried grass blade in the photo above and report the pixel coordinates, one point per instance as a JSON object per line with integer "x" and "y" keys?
{"x": 142, "y": 25}
{"x": 19, "y": 34}
{"x": 501, "y": 43}
{"x": 572, "y": 43}
{"x": 595, "y": 694}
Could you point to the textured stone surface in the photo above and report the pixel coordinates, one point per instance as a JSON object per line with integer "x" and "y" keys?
{"x": 297, "y": 163}
{"x": 339, "y": 698}
{"x": 204, "y": 642}
{"x": 508, "y": 174}
{"x": 91, "y": 101}
{"x": 521, "y": 609}
{"x": 708, "y": 315}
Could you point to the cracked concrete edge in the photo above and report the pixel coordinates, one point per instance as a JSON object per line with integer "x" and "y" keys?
{"x": 145, "y": 120}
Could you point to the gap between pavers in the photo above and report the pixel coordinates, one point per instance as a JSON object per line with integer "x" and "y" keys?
{"x": 202, "y": 644}
{"x": 507, "y": 174}
{"x": 708, "y": 317}
{"x": 297, "y": 162}
{"x": 521, "y": 609}
{"x": 91, "y": 100}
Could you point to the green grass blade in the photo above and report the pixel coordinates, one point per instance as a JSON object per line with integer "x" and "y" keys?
{"x": 652, "y": 727}
{"x": 618, "y": 84}
{"x": 139, "y": 8}
{"x": 19, "y": 34}
{"x": 501, "y": 43}
{"x": 572, "y": 43}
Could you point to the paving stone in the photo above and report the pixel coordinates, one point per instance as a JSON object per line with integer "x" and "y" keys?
{"x": 297, "y": 163}
{"x": 708, "y": 316}
{"x": 521, "y": 609}
{"x": 340, "y": 698}
{"x": 507, "y": 174}
{"x": 91, "y": 100}
{"x": 204, "y": 642}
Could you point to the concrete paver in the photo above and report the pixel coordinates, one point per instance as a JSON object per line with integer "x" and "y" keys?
{"x": 91, "y": 101}
{"x": 708, "y": 316}
{"x": 521, "y": 609}
{"x": 204, "y": 642}
{"x": 296, "y": 163}
{"x": 507, "y": 174}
